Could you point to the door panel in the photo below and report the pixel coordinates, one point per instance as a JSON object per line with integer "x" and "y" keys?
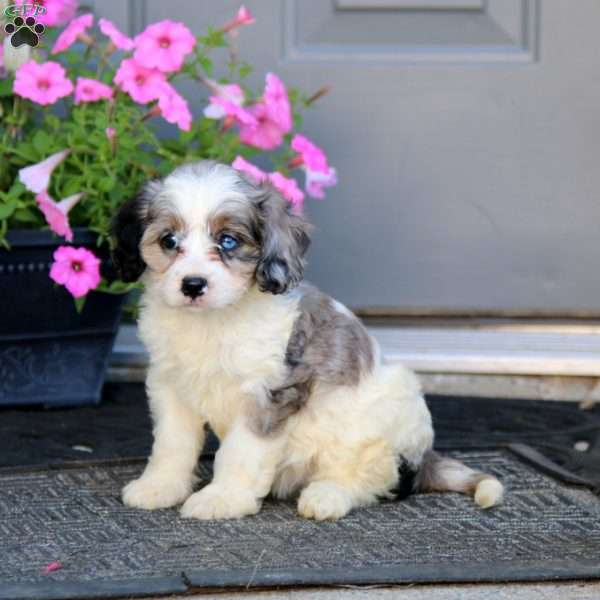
{"x": 409, "y": 4}
{"x": 405, "y": 31}
{"x": 466, "y": 136}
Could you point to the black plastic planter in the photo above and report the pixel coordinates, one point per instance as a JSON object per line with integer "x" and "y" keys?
{"x": 50, "y": 354}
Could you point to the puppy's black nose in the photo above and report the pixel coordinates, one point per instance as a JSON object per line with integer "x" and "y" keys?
{"x": 193, "y": 286}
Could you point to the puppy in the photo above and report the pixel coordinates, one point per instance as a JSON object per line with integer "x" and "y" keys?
{"x": 288, "y": 379}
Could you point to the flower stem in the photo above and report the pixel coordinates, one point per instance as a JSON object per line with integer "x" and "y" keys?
{"x": 322, "y": 91}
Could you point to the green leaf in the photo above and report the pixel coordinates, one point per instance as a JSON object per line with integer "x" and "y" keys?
{"x": 106, "y": 184}
{"x": 72, "y": 57}
{"x": 214, "y": 39}
{"x": 7, "y": 208}
{"x": 164, "y": 169}
{"x": 72, "y": 186}
{"x": 143, "y": 159}
{"x": 206, "y": 64}
{"x": 6, "y": 87}
{"x": 117, "y": 287}
{"x": 25, "y": 215}
{"x": 27, "y": 151}
{"x": 187, "y": 137}
{"x": 42, "y": 142}
{"x": 79, "y": 303}
{"x": 52, "y": 121}
{"x": 245, "y": 70}
{"x": 16, "y": 189}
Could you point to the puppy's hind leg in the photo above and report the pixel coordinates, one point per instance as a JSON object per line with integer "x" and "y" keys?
{"x": 348, "y": 477}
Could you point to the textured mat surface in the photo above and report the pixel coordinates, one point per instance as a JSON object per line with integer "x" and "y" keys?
{"x": 544, "y": 530}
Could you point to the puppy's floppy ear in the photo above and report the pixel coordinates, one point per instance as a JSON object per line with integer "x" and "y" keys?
{"x": 128, "y": 228}
{"x": 285, "y": 240}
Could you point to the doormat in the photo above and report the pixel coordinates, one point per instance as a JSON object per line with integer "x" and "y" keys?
{"x": 73, "y": 519}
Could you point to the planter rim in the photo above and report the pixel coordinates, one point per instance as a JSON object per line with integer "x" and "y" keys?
{"x": 34, "y": 237}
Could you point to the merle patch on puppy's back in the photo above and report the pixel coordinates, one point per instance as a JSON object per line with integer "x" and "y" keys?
{"x": 329, "y": 345}
{"x": 329, "y": 341}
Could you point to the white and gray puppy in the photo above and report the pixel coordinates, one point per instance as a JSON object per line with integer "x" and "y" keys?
{"x": 288, "y": 379}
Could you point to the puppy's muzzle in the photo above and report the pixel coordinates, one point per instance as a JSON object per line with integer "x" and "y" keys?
{"x": 192, "y": 287}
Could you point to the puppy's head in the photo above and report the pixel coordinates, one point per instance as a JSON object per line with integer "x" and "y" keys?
{"x": 205, "y": 235}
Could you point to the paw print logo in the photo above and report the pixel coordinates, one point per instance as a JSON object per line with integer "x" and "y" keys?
{"x": 24, "y": 31}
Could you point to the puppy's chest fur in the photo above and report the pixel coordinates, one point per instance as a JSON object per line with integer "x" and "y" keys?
{"x": 218, "y": 360}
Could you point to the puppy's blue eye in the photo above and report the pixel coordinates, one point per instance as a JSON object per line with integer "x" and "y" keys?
{"x": 228, "y": 242}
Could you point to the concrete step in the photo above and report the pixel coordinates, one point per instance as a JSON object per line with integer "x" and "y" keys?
{"x": 519, "y": 361}
{"x": 512, "y": 352}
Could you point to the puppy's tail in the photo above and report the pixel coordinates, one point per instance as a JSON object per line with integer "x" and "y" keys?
{"x": 440, "y": 474}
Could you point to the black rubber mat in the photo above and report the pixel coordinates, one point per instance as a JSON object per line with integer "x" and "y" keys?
{"x": 73, "y": 517}
{"x": 120, "y": 428}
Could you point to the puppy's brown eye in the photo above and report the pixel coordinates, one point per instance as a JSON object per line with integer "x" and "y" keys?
{"x": 168, "y": 241}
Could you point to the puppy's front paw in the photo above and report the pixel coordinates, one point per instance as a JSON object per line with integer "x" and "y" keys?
{"x": 219, "y": 502}
{"x": 155, "y": 491}
{"x": 323, "y": 500}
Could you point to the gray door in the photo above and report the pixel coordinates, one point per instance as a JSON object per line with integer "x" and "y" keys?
{"x": 466, "y": 134}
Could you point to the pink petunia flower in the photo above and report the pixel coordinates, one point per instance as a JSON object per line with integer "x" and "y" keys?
{"x": 288, "y": 188}
{"x": 56, "y": 12}
{"x": 262, "y": 133}
{"x": 118, "y": 39}
{"x": 316, "y": 182}
{"x": 43, "y": 83}
{"x": 91, "y": 90}
{"x": 78, "y": 269}
{"x": 36, "y": 178}
{"x": 313, "y": 160}
{"x": 273, "y": 115}
{"x": 235, "y": 112}
{"x": 74, "y": 30}
{"x": 164, "y": 46}
{"x": 56, "y": 213}
{"x": 310, "y": 155}
{"x": 142, "y": 84}
{"x": 253, "y": 172}
{"x": 227, "y": 103}
{"x": 277, "y": 102}
{"x": 174, "y": 108}
{"x": 232, "y": 93}
{"x": 243, "y": 17}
